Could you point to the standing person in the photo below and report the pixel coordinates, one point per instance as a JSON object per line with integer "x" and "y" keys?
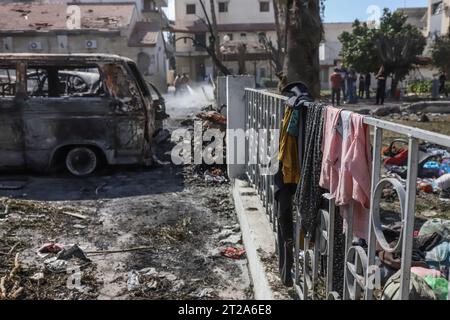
{"x": 351, "y": 86}
{"x": 368, "y": 84}
{"x": 442, "y": 87}
{"x": 344, "y": 83}
{"x": 177, "y": 84}
{"x": 336, "y": 86}
{"x": 184, "y": 82}
{"x": 362, "y": 86}
{"x": 381, "y": 86}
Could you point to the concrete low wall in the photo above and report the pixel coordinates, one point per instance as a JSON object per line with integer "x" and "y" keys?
{"x": 235, "y": 88}
{"x": 429, "y": 107}
{"x": 256, "y": 234}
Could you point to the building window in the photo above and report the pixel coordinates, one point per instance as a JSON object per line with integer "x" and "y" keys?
{"x": 223, "y": 6}
{"x": 143, "y": 63}
{"x": 262, "y": 73}
{"x": 200, "y": 41}
{"x": 230, "y": 36}
{"x": 243, "y": 35}
{"x": 264, "y": 6}
{"x": 437, "y": 8}
{"x": 190, "y": 9}
{"x": 149, "y": 5}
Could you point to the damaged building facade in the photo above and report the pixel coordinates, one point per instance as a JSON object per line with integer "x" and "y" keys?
{"x": 130, "y": 29}
{"x": 237, "y": 22}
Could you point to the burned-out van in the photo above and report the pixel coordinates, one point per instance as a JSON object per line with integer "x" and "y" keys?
{"x": 74, "y": 110}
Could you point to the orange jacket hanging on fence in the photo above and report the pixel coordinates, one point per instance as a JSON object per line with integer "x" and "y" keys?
{"x": 288, "y": 155}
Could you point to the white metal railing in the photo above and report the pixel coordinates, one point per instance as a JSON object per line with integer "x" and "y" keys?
{"x": 265, "y": 110}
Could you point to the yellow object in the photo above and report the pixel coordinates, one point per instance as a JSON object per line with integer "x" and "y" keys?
{"x": 288, "y": 154}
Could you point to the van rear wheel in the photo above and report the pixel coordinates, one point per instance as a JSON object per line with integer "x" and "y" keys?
{"x": 81, "y": 161}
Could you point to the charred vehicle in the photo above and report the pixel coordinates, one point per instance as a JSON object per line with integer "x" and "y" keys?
{"x": 75, "y": 110}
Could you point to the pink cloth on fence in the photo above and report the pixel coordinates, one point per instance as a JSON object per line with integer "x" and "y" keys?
{"x": 347, "y": 165}
{"x": 331, "y": 149}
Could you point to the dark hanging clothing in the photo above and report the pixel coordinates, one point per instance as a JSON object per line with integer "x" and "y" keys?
{"x": 309, "y": 194}
{"x": 284, "y": 192}
{"x": 285, "y": 232}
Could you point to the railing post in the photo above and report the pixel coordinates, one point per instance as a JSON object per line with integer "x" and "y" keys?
{"x": 408, "y": 224}
{"x": 376, "y": 174}
{"x": 330, "y": 245}
{"x": 348, "y": 245}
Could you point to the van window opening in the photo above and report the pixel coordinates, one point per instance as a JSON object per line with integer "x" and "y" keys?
{"x": 50, "y": 81}
{"x": 140, "y": 80}
{"x": 7, "y": 82}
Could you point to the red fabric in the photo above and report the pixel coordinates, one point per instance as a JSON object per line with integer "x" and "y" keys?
{"x": 336, "y": 81}
{"x": 398, "y": 160}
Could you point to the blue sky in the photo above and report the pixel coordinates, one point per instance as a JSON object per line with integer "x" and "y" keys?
{"x": 349, "y": 10}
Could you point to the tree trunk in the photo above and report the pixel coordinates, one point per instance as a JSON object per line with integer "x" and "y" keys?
{"x": 304, "y": 35}
{"x": 215, "y": 33}
{"x": 280, "y": 34}
{"x": 394, "y": 85}
{"x": 241, "y": 52}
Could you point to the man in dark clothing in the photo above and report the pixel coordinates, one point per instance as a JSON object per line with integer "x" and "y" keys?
{"x": 362, "y": 86}
{"x": 442, "y": 87}
{"x": 381, "y": 86}
{"x": 368, "y": 84}
{"x": 336, "y": 87}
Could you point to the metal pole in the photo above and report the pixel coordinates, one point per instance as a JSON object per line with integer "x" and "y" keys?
{"x": 376, "y": 173}
{"x": 408, "y": 224}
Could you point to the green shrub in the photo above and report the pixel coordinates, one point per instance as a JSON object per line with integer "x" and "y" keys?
{"x": 420, "y": 86}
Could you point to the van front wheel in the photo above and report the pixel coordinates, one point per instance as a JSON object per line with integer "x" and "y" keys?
{"x": 81, "y": 161}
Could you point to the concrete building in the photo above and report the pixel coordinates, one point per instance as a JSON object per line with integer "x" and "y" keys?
{"x": 238, "y": 22}
{"x": 438, "y": 17}
{"x": 131, "y": 29}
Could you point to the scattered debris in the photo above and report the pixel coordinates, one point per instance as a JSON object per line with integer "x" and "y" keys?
{"x": 73, "y": 252}
{"x": 133, "y": 280}
{"x": 75, "y": 215}
{"x": 119, "y": 251}
{"x": 213, "y": 120}
{"x": 50, "y": 248}
{"x": 215, "y": 175}
{"x": 10, "y": 288}
{"x": 233, "y": 253}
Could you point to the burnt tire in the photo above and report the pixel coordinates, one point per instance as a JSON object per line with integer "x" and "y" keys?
{"x": 81, "y": 161}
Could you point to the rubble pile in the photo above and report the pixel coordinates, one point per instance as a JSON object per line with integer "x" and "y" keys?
{"x": 213, "y": 120}
{"x": 434, "y": 167}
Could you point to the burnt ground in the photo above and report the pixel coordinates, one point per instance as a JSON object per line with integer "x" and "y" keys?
{"x": 169, "y": 222}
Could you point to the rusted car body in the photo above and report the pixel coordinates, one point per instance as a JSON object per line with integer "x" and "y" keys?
{"x": 51, "y": 105}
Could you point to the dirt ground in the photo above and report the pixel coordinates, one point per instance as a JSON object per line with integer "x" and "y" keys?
{"x": 169, "y": 222}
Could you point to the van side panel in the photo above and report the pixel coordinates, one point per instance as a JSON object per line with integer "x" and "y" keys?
{"x": 49, "y": 123}
{"x": 11, "y": 134}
